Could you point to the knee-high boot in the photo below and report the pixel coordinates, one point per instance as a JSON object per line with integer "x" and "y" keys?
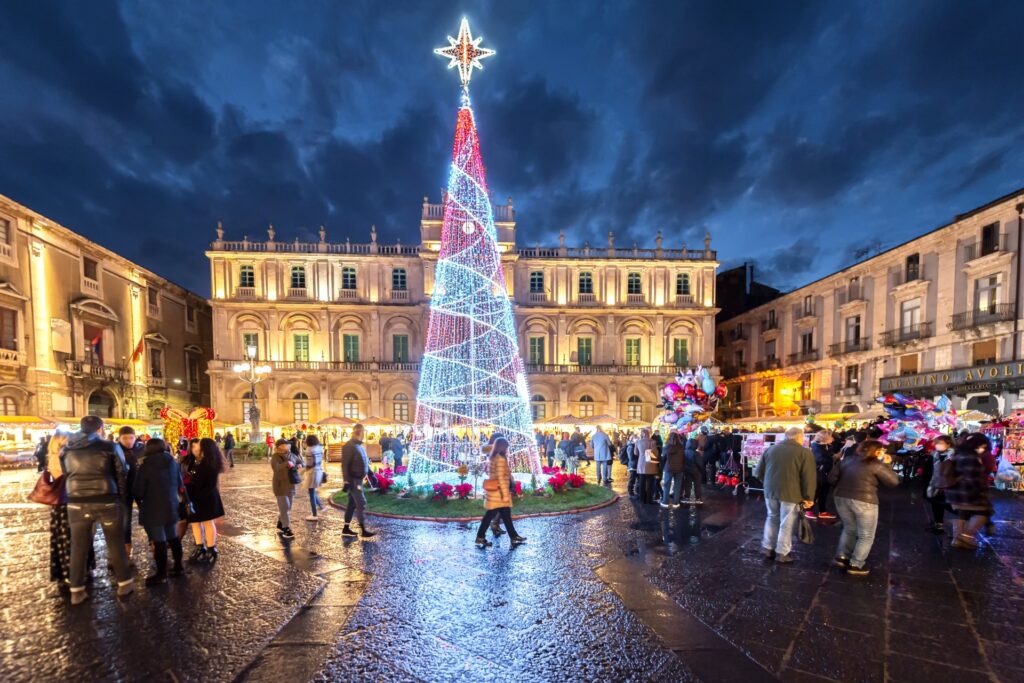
{"x": 160, "y": 555}
{"x": 177, "y": 553}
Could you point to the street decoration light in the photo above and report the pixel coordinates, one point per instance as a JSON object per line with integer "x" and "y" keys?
{"x": 252, "y": 373}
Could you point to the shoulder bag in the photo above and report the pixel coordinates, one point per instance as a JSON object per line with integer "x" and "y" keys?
{"x": 48, "y": 491}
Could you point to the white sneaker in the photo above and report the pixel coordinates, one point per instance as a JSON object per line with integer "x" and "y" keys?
{"x": 312, "y": 518}
{"x": 664, "y": 505}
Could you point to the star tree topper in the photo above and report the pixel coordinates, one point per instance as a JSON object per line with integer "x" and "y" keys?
{"x": 465, "y": 52}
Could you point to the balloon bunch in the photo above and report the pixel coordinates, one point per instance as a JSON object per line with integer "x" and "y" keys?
{"x": 914, "y": 422}
{"x": 691, "y": 399}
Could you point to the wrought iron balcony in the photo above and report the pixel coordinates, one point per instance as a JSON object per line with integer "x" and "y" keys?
{"x": 846, "y": 391}
{"x": 976, "y": 318}
{"x": 575, "y": 369}
{"x": 906, "y": 334}
{"x": 769, "y": 324}
{"x": 985, "y": 247}
{"x": 849, "y": 346}
{"x": 77, "y": 368}
{"x": 850, "y": 294}
{"x": 804, "y": 357}
{"x": 767, "y": 364}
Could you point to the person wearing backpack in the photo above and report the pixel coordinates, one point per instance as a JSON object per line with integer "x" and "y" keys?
{"x": 856, "y": 480}
{"x": 935, "y": 491}
{"x": 966, "y": 482}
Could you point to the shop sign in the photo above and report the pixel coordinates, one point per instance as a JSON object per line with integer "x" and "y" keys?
{"x": 966, "y": 379}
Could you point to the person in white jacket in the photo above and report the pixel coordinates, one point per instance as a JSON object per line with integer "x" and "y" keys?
{"x": 314, "y": 475}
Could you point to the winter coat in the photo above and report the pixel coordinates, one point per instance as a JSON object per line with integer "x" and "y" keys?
{"x": 397, "y": 449}
{"x": 858, "y": 478}
{"x": 788, "y": 472}
{"x": 500, "y": 472}
{"x": 353, "y": 464}
{"x": 675, "y": 458}
{"x": 693, "y": 457}
{"x": 938, "y": 457}
{"x": 712, "y": 450}
{"x": 156, "y": 487}
{"x": 202, "y": 490}
{"x": 95, "y": 470}
{"x": 823, "y": 458}
{"x": 567, "y": 447}
{"x": 971, "y": 490}
{"x": 602, "y": 446}
{"x": 314, "y": 474}
{"x": 132, "y": 458}
{"x": 632, "y": 454}
{"x": 229, "y": 442}
{"x": 645, "y": 463}
{"x": 279, "y": 463}
{"x": 549, "y": 444}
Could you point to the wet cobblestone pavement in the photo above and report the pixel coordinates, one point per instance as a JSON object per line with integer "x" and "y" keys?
{"x": 627, "y": 593}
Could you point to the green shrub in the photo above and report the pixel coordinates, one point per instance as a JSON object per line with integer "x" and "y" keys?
{"x": 254, "y": 451}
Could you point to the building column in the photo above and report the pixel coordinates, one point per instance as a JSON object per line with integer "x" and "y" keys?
{"x": 613, "y": 400}
{"x": 657, "y": 344}
{"x": 563, "y": 397}
{"x": 375, "y": 402}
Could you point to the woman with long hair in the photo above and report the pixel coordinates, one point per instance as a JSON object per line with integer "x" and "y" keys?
{"x": 856, "y": 480}
{"x": 498, "y": 494}
{"x": 205, "y": 498}
{"x": 60, "y": 528}
{"x": 314, "y": 474}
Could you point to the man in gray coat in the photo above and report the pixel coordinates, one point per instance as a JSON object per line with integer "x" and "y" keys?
{"x": 790, "y": 479}
{"x": 602, "y": 456}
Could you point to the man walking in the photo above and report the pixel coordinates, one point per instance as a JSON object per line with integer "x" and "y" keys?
{"x": 602, "y": 456}
{"x": 96, "y": 484}
{"x": 790, "y": 477}
{"x": 354, "y": 466}
{"x": 397, "y": 449}
{"x": 229, "y": 448}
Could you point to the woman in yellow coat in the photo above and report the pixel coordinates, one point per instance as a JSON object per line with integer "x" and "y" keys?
{"x": 498, "y": 495}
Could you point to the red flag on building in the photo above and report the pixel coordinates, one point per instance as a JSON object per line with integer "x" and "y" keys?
{"x": 138, "y": 350}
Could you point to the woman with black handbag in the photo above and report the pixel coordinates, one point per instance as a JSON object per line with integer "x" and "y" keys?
{"x": 204, "y": 494}
{"x": 286, "y": 466}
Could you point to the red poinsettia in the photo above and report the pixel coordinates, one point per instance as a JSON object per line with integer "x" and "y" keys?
{"x": 401, "y": 469}
{"x": 517, "y": 488}
{"x": 443, "y": 491}
{"x": 558, "y": 482}
{"x": 550, "y": 470}
{"x": 384, "y": 483}
{"x": 576, "y": 481}
{"x": 464, "y": 490}
{"x": 385, "y": 472}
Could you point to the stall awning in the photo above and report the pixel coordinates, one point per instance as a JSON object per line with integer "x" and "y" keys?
{"x": 973, "y": 416}
{"x": 336, "y": 421}
{"x": 25, "y": 422}
{"x": 563, "y": 421}
{"x": 377, "y": 422}
{"x": 602, "y": 420}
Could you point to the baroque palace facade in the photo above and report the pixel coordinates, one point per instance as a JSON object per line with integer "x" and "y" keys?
{"x": 938, "y": 314}
{"x": 72, "y": 316}
{"x": 343, "y": 325}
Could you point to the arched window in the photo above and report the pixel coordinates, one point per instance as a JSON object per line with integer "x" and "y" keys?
{"x": 586, "y": 405}
{"x": 246, "y": 406}
{"x": 400, "y": 411}
{"x": 300, "y": 407}
{"x": 538, "y": 407}
{"x": 8, "y": 406}
{"x": 683, "y": 284}
{"x": 350, "y": 406}
{"x": 634, "y": 408}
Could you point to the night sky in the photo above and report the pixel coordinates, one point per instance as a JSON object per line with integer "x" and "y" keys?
{"x": 797, "y": 132}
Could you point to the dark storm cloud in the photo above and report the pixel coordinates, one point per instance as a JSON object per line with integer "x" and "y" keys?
{"x": 781, "y": 126}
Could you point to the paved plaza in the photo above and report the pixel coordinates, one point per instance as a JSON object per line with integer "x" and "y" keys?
{"x": 620, "y": 594}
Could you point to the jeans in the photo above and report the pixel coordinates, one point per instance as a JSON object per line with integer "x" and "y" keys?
{"x": 230, "y": 455}
{"x": 398, "y": 459}
{"x": 604, "y": 470}
{"x": 821, "y": 496}
{"x": 692, "y": 479}
{"x": 859, "y": 522}
{"x": 551, "y": 458}
{"x": 284, "y": 508}
{"x": 647, "y": 487}
{"x": 127, "y": 523}
{"x": 631, "y": 486}
{"x": 356, "y": 504}
{"x": 672, "y": 487}
{"x": 506, "y": 517}
{"x": 778, "y": 526}
{"x": 82, "y": 518}
{"x": 314, "y": 501}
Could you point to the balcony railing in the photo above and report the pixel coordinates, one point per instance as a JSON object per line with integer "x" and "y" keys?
{"x": 77, "y": 368}
{"x": 317, "y": 247}
{"x": 574, "y": 369}
{"x": 984, "y": 248}
{"x": 850, "y": 294}
{"x": 907, "y": 276}
{"x": 803, "y": 356}
{"x": 734, "y": 370}
{"x": 849, "y": 346}
{"x": 906, "y": 334}
{"x": 996, "y": 314}
{"x": 843, "y": 390}
{"x": 6, "y": 250}
{"x": 348, "y": 294}
{"x": 154, "y": 310}
{"x": 538, "y": 297}
{"x": 11, "y": 357}
{"x": 684, "y": 300}
{"x": 769, "y": 324}
{"x": 738, "y": 334}
{"x": 767, "y": 364}
{"x": 568, "y": 369}
{"x": 90, "y": 285}
{"x": 159, "y": 382}
{"x": 399, "y": 294}
{"x": 635, "y": 299}
{"x": 245, "y": 292}
{"x": 587, "y": 298}
{"x": 298, "y": 293}
{"x": 616, "y": 253}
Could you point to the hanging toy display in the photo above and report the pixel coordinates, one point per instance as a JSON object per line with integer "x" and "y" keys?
{"x": 914, "y": 422}
{"x": 690, "y": 400}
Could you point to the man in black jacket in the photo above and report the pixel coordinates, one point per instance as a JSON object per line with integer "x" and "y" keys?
{"x": 229, "y": 448}
{"x": 354, "y": 466}
{"x": 131, "y": 453}
{"x": 96, "y": 484}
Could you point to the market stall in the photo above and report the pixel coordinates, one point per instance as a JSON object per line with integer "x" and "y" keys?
{"x": 19, "y": 437}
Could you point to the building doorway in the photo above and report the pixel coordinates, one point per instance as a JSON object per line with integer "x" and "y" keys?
{"x": 101, "y": 404}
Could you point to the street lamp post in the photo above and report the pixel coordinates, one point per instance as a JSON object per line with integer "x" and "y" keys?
{"x": 252, "y": 373}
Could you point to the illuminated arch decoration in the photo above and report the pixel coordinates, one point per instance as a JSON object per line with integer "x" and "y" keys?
{"x": 473, "y": 380}
{"x": 197, "y": 424}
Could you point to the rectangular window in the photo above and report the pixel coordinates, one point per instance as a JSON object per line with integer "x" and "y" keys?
{"x": 913, "y": 270}
{"x": 8, "y": 329}
{"x": 400, "y": 348}
{"x": 350, "y": 409}
{"x": 539, "y": 411}
{"x": 536, "y": 282}
{"x": 246, "y": 410}
{"x": 632, "y": 352}
{"x": 90, "y": 268}
{"x": 634, "y": 411}
{"x": 93, "y": 338}
{"x": 5, "y": 232}
{"x": 586, "y": 283}
{"x": 246, "y": 276}
{"x": 984, "y": 352}
{"x": 584, "y": 350}
{"x": 852, "y": 376}
{"x": 401, "y": 411}
{"x": 250, "y": 343}
{"x": 987, "y": 292}
{"x": 772, "y": 320}
{"x": 350, "y": 348}
{"x": 809, "y": 305}
{"x": 853, "y": 330}
{"x": 194, "y": 373}
{"x": 769, "y": 350}
{"x": 680, "y": 352}
{"x": 156, "y": 362}
{"x": 399, "y": 280}
{"x": 301, "y": 346}
{"x": 633, "y": 284}
{"x": 348, "y": 277}
{"x": 153, "y": 297}
{"x": 682, "y": 284}
{"x": 990, "y": 238}
{"x": 300, "y": 411}
{"x": 909, "y": 364}
{"x": 298, "y": 277}
{"x": 190, "y": 315}
{"x": 854, "y": 289}
{"x": 910, "y": 315}
{"x": 537, "y": 351}
{"x": 807, "y": 342}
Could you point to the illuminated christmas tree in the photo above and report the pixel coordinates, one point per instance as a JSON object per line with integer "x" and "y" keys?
{"x": 473, "y": 380}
